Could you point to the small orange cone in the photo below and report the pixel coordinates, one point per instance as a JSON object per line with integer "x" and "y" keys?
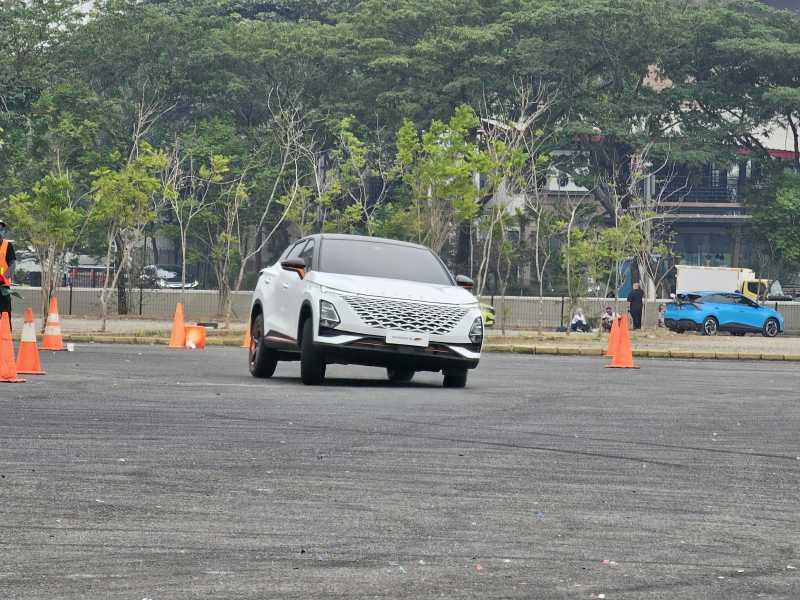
{"x": 28, "y": 362}
{"x": 613, "y": 338}
{"x": 8, "y": 367}
{"x": 178, "y": 337}
{"x": 195, "y": 337}
{"x": 52, "y": 339}
{"x": 623, "y": 354}
{"x": 246, "y": 341}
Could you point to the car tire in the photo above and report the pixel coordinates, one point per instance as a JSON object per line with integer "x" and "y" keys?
{"x": 262, "y": 360}
{"x": 710, "y": 326}
{"x": 771, "y": 328}
{"x": 455, "y": 379}
{"x": 312, "y": 362}
{"x": 400, "y": 375}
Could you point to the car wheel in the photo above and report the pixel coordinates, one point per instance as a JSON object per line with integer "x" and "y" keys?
{"x": 771, "y": 328}
{"x": 262, "y": 360}
{"x": 710, "y": 326}
{"x": 455, "y": 379}
{"x": 312, "y": 362}
{"x": 400, "y": 375}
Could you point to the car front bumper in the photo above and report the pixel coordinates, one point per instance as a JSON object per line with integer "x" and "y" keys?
{"x": 352, "y": 341}
{"x": 373, "y": 350}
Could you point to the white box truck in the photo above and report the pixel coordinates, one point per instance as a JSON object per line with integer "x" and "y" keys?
{"x": 721, "y": 279}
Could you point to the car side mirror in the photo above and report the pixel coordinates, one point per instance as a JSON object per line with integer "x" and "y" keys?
{"x": 298, "y": 265}
{"x": 465, "y": 282}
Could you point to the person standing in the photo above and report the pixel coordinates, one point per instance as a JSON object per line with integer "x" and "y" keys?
{"x": 7, "y": 259}
{"x": 636, "y": 300}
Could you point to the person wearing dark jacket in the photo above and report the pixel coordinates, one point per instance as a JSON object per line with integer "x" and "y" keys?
{"x": 636, "y": 300}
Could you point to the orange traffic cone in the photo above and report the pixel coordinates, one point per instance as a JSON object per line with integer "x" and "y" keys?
{"x": 195, "y": 337}
{"x": 623, "y": 354}
{"x": 8, "y": 367}
{"x": 246, "y": 340}
{"x": 28, "y": 356}
{"x": 613, "y": 338}
{"x": 178, "y": 337}
{"x": 52, "y": 339}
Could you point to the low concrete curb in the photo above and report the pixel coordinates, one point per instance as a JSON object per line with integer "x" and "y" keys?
{"x": 675, "y": 354}
{"x": 144, "y": 340}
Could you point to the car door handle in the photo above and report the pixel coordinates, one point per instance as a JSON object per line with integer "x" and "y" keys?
{"x": 285, "y": 286}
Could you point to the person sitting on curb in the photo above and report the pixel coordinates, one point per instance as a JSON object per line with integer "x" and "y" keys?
{"x": 661, "y": 310}
{"x": 608, "y": 318}
{"x": 579, "y": 322}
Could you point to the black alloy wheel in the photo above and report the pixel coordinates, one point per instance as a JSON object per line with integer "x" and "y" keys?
{"x": 455, "y": 379}
{"x": 710, "y": 326}
{"x": 400, "y": 375}
{"x": 771, "y": 328}
{"x": 312, "y": 361}
{"x": 262, "y": 360}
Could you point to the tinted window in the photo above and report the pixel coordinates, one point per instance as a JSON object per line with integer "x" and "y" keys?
{"x": 382, "y": 259}
{"x": 715, "y": 299}
{"x": 308, "y": 255}
{"x": 296, "y": 249}
{"x": 745, "y": 301}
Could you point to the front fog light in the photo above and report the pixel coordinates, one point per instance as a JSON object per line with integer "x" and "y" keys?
{"x": 476, "y": 331}
{"x": 328, "y": 317}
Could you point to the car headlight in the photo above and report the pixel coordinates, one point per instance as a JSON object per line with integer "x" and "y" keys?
{"x": 476, "y": 331}
{"x": 328, "y": 317}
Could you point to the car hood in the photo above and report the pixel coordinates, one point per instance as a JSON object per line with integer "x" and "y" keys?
{"x": 393, "y": 288}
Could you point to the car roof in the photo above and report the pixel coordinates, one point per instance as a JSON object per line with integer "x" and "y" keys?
{"x": 709, "y": 293}
{"x": 363, "y": 238}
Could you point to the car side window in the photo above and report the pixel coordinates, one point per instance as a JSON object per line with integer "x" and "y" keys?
{"x": 308, "y": 255}
{"x": 296, "y": 251}
{"x": 741, "y": 300}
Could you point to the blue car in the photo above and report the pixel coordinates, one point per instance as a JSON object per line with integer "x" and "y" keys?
{"x": 710, "y": 312}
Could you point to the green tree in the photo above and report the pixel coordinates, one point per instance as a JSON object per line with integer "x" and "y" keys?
{"x": 776, "y": 218}
{"x": 439, "y": 168}
{"x": 48, "y": 220}
{"x": 125, "y": 200}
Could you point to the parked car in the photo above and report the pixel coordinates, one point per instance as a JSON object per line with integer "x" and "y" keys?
{"x": 165, "y": 277}
{"x": 711, "y": 312}
{"x": 370, "y": 301}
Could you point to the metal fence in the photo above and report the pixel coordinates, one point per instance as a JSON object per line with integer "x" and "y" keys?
{"x": 513, "y": 312}
{"x": 199, "y": 305}
{"x": 526, "y": 313}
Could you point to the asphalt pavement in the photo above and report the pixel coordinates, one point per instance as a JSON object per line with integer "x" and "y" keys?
{"x": 133, "y": 472}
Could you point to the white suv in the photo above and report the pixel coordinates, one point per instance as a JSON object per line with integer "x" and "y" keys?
{"x": 360, "y": 300}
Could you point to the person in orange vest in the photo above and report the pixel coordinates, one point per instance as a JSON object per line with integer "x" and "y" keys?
{"x": 7, "y": 260}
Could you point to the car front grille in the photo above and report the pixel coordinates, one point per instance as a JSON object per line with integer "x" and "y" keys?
{"x": 400, "y": 315}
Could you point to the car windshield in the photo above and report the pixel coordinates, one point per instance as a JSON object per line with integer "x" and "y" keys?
{"x": 382, "y": 259}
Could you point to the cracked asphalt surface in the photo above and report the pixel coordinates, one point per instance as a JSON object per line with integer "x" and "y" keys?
{"x": 140, "y": 472}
